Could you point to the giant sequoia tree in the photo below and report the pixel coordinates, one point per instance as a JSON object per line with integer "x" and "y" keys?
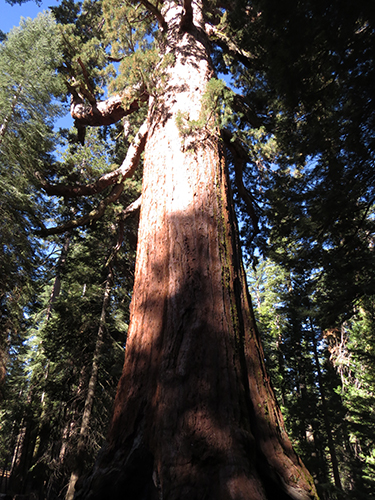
{"x": 195, "y": 415}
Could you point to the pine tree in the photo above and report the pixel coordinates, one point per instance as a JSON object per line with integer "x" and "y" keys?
{"x": 351, "y": 349}
{"x": 52, "y": 365}
{"x": 29, "y": 86}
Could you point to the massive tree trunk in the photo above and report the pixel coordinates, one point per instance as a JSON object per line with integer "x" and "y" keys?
{"x": 195, "y": 416}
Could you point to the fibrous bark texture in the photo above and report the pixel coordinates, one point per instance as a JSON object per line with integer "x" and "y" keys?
{"x": 195, "y": 416}
{"x": 102, "y": 112}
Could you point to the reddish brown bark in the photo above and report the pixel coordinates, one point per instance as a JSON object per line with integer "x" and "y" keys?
{"x": 103, "y": 112}
{"x": 195, "y": 416}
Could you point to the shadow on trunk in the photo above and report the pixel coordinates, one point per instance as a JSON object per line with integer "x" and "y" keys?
{"x": 195, "y": 416}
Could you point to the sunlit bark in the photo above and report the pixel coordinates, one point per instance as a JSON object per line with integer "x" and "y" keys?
{"x": 103, "y": 112}
{"x": 195, "y": 416}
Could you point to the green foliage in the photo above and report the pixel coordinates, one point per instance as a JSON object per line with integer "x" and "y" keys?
{"x": 85, "y": 66}
{"x": 84, "y": 163}
{"x": 352, "y": 353}
{"x": 305, "y": 120}
{"x": 337, "y": 402}
{"x": 28, "y": 81}
{"x": 29, "y": 87}
{"x": 215, "y": 111}
{"x": 49, "y": 356}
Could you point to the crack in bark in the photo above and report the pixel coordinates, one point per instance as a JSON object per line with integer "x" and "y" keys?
{"x": 187, "y": 16}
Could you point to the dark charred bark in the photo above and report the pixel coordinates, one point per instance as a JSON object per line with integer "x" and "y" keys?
{"x": 187, "y": 16}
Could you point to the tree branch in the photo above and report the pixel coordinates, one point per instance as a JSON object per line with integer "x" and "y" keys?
{"x": 240, "y": 105}
{"x": 156, "y": 13}
{"x": 132, "y": 208}
{"x": 228, "y": 46}
{"x": 88, "y": 218}
{"x": 127, "y": 212}
{"x": 92, "y": 99}
{"x": 240, "y": 158}
{"x": 125, "y": 171}
{"x": 187, "y": 16}
{"x": 103, "y": 112}
{"x": 127, "y": 168}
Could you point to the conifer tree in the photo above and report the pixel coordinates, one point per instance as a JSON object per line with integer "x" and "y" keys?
{"x": 304, "y": 380}
{"x": 49, "y": 372}
{"x": 29, "y": 86}
{"x": 195, "y": 415}
{"x": 194, "y": 362}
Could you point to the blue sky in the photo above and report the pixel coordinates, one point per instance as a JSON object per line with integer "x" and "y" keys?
{"x": 10, "y": 15}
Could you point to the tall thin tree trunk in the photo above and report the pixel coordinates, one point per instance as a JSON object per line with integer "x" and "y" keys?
{"x": 327, "y": 424}
{"x": 22, "y": 456}
{"x": 85, "y": 423}
{"x": 59, "y": 268}
{"x": 195, "y": 416}
{"x": 44, "y": 428}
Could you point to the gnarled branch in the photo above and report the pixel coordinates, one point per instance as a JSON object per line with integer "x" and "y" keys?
{"x": 87, "y": 80}
{"x": 103, "y": 112}
{"x": 156, "y": 13}
{"x": 125, "y": 171}
{"x": 88, "y": 218}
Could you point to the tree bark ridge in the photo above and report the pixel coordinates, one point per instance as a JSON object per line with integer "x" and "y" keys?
{"x": 195, "y": 416}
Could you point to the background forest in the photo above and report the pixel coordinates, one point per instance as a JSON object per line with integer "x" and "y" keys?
{"x": 305, "y": 169}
